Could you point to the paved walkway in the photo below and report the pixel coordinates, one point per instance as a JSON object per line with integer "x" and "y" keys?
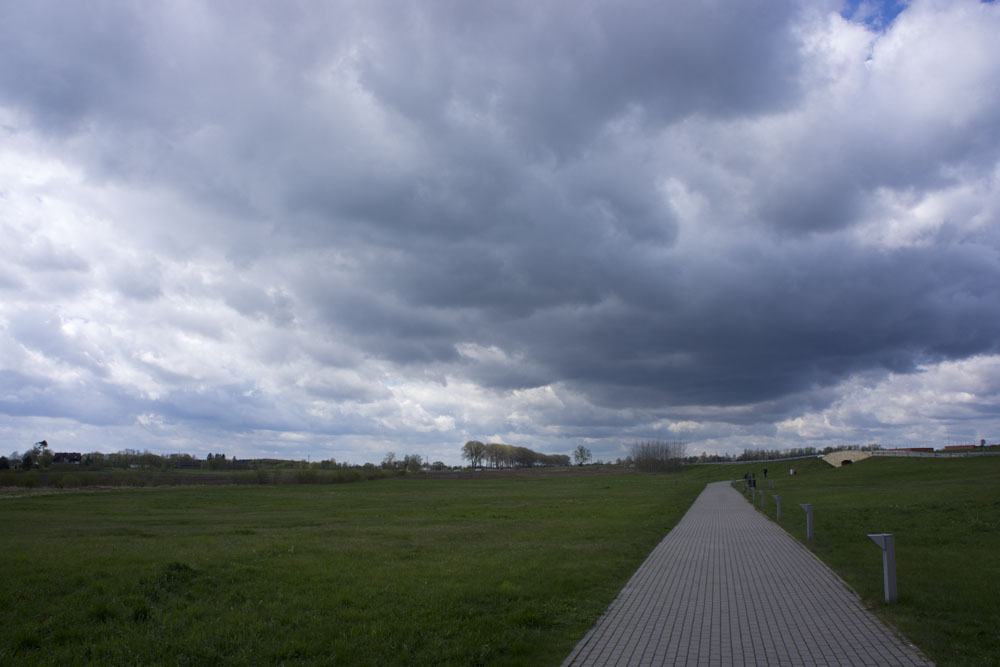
{"x": 727, "y": 586}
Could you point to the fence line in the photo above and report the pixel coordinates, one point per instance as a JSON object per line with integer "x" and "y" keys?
{"x": 930, "y": 455}
{"x": 873, "y": 452}
{"x": 745, "y": 461}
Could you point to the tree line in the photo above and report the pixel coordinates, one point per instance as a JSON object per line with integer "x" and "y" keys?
{"x": 410, "y": 463}
{"x": 41, "y": 456}
{"x": 499, "y": 455}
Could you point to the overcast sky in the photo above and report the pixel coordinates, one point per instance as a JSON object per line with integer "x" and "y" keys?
{"x": 332, "y": 230}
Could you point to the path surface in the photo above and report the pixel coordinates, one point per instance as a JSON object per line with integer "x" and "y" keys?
{"x": 727, "y": 586}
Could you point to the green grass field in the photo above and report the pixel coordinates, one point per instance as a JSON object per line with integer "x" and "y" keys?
{"x": 409, "y": 571}
{"x": 491, "y": 570}
{"x": 945, "y": 516}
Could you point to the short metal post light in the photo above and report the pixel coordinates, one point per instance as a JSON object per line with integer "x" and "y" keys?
{"x": 777, "y": 499}
{"x": 809, "y": 519}
{"x": 887, "y": 543}
{"x": 762, "y": 500}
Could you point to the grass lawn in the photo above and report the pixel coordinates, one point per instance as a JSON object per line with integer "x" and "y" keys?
{"x": 454, "y": 571}
{"x": 945, "y": 516}
{"x": 408, "y": 571}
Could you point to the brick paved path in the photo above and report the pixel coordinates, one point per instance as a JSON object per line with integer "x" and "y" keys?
{"x": 727, "y": 586}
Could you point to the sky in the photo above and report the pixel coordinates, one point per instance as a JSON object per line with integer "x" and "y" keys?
{"x": 316, "y": 230}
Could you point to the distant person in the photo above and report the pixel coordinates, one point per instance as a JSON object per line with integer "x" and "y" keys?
{"x": 765, "y": 473}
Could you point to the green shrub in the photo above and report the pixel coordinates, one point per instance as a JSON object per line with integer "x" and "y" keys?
{"x": 306, "y": 476}
{"x": 69, "y": 481}
{"x": 249, "y": 477}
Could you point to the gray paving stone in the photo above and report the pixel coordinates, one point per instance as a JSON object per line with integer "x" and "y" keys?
{"x": 728, "y": 586}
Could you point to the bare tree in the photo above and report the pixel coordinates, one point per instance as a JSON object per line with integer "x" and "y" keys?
{"x": 658, "y": 456}
{"x": 581, "y": 455}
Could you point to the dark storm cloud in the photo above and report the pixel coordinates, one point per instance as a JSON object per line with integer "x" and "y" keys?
{"x": 664, "y": 211}
{"x": 65, "y": 65}
{"x": 554, "y": 74}
{"x": 781, "y": 329}
{"x": 94, "y": 402}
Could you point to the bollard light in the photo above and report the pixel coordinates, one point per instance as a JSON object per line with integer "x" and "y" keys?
{"x": 777, "y": 499}
{"x": 886, "y": 542}
{"x": 809, "y": 519}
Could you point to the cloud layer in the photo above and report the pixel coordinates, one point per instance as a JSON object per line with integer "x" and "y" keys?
{"x": 334, "y": 230}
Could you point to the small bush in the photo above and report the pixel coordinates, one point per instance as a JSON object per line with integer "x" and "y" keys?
{"x": 69, "y": 481}
{"x": 306, "y": 477}
{"x": 250, "y": 477}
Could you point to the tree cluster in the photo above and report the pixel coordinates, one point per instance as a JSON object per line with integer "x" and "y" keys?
{"x": 658, "y": 456}
{"x": 499, "y": 455}
{"x": 409, "y": 462}
{"x": 39, "y": 456}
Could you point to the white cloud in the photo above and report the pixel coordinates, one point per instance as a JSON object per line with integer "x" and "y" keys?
{"x": 953, "y": 400}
